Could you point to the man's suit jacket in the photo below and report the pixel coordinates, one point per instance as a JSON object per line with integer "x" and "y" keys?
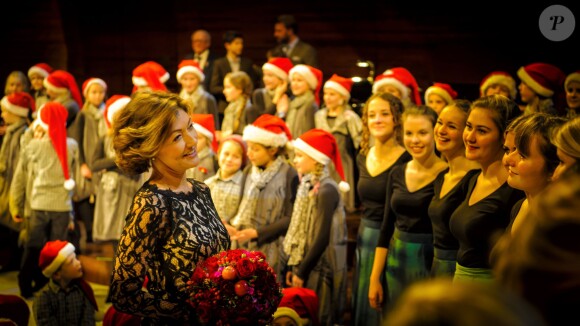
{"x": 221, "y": 69}
{"x": 302, "y": 53}
{"x": 208, "y": 69}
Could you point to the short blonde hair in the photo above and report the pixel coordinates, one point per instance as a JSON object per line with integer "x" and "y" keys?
{"x": 142, "y": 127}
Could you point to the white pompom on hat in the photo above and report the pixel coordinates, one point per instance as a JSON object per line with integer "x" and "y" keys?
{"x": 322, "y": 147}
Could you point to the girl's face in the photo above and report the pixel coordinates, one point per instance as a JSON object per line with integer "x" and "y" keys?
{"x": 230, "y": 91}
{"x": 526, "y": 93}
{"x": 436, "y": 102}
{"x": 380, "y": 120}
{"x": 36, "y": 81}
{"x": 13, "y": 85}
{"x": 298, "y": 84}
{"x": 566, "y": 161}
{"x": 303, "y": 163}
{"x": 189, "y": 82}
{"x": 96, "y": 95}
{"x": 202, "y": 142}
{"x": 497, "y": 89}
{"x": 418, "y": 136}
{"x": 509, "y": 147}
{"x": 528, "y": 173}
{"x": 178, "y": 152}
{"x": 230, "y": 158}
{"x": 391, "y": 90}
{"x": 449, "y": 131}
{"x": 271, "y": 81}
{"x": 9, "y": 117}
{"x": 260, "y": 155}
{"x": 573, "y": 95}
{"x": 332, "y": 98}
{"x": 483, "y": 142}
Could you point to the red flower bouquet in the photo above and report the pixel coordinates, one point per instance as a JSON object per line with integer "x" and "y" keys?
{"x": 235, "y": 287}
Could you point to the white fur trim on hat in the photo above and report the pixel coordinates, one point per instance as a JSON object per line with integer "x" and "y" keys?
{"x": 116, "y": 106}
{"x": 190, "y": 69}
{"x": 37, "y": 70}
{"x": 507, "y": 81}
{"x": 337, "y": 87}
{"x": 575, "y": 76}
{"x": 439, "y": 91}
{"x": 202, "y": 130}
{"x": 532, "y": 83}
{"x": 275, "y": 70}
{"x": 393, "y": 82}
{"x": 264, "y": 137}
{"x": 58, "y": 260}
{"x": 305, "y": 72}
{"x": 13, "y": 108}
{"x": 98, "y": 81}
{"x": 311, "y": 151}
{"x": 139, "y": 81}
{"x": 53, "y": 88}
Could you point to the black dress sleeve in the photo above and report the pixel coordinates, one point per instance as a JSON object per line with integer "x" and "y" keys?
{"x": 388, "y": 225}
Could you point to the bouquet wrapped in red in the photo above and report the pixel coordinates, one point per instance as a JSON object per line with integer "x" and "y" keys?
{"x": 235, "y": 287}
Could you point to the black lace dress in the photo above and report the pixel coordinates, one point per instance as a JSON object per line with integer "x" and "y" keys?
{"x": 166, "y": 234}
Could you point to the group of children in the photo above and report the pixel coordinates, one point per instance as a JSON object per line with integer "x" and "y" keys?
{"x": 283, "y": 170}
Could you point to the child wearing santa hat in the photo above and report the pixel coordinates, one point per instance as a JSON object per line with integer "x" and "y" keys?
{"x": 207, "y": 146}
{"x": 149, "y": 76}
{"x": 305, "y": 83}
{"x": 572, "y": 88}
{"x": 498, "y": 82}
{"x": 190, "y": 76}
{"x": 316, "y": 239}
{"x": 67, "y": 299}
{"x": 439, "y": 95}
{"x": 17, "y": 110}
{"x": 36, "y": 75}
{"x": 53, "y": 158}
{"x": 115, "y": 189}
{"x": 62, "y": 88}
{"x": 400, "y": 82}
{"x": 226, "y": 184}
{"x": 87, "y": 129}
{"x": 541, "y": 83}
{"x": 338, "y": 118}
{"x": 269, "y": 190}
{"x": 237, "y": 91}
{"x": 273, "y": 97}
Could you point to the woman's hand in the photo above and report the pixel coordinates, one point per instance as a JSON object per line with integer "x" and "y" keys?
{"x": 375, "y": 294}
{"x": 280, "y": 91}
{"x": 86, "y": 172}
{"x": 289, "y": 278}
{"x": 231, "y": 230}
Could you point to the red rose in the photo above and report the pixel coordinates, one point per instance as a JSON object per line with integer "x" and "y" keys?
{"x": 245, "y": 267}
{"x": 212, "y": 264}
{"x": 199, "y": 274}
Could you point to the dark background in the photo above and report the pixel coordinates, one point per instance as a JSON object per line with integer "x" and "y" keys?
{"x": 457, "y": 43}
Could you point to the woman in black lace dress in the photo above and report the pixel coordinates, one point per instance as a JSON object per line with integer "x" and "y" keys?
{"x": 173, "y": 223}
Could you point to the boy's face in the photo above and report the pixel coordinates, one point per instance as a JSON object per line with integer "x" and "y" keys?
{"x": 71, "y": 268}
{"x": 189, "y": 82}
{"x": 96, "y": 95}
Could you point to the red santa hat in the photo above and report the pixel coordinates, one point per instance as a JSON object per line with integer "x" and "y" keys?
{"x": 53, "y": 255}
{"x": 543, "y": 78}
{"x": 322, "y": 147}
{"x": 312, "y": 76}
{"x": 92, "y": 81}
{"x": 205, "y": 125}
{"x": 150, "y": 74}
{"x": 573, "y": 77}
{"x": 340, "y": 84}
{"x": 52, "y": 117}
{"x": 42, "y": 69}
{"x": 268, "y": 130}
{"x": 113, "y": 105}
{"x": 302, "y": 300}
{"x": 443, "y": 90}
{"x": 190, "y": 66}
{"x": 279, "y": 66}
{"x": 60, "y": 80}
{"x": 238, "y": 139}
{"x": 403, "y": 80}
{"x": 19, "y": 103}
{"x": 498, "y": 77}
